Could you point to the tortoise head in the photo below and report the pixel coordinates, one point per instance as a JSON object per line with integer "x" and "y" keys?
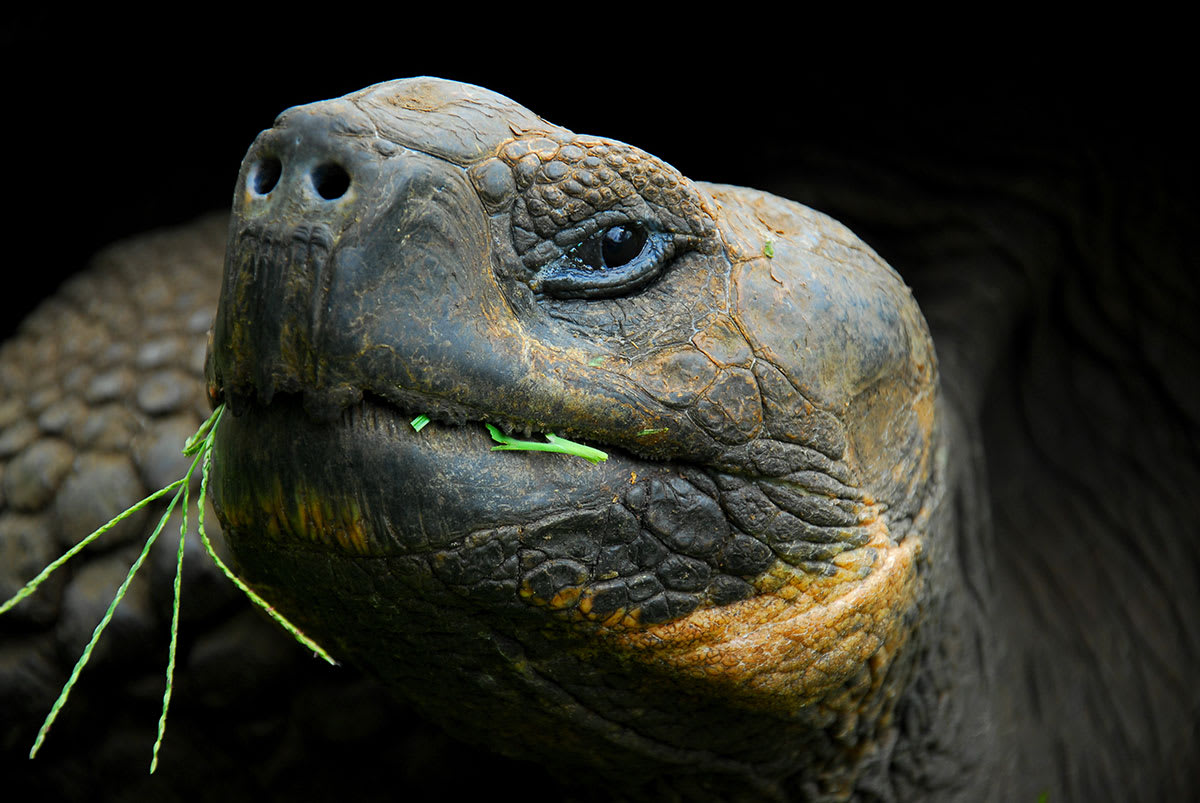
{"x": 763, "y": 383}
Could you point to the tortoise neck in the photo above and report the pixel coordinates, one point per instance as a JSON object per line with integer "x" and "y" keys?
{"x": 943, "y": 740}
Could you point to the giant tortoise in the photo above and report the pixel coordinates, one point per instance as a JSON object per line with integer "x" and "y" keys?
{"x": 843, "y": 547}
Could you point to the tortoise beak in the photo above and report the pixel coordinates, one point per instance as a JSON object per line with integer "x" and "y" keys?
{"x": 341, "y": 245}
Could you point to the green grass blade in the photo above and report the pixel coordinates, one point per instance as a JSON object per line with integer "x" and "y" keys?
{"x": 200, "y": 447}
{"x": 200, "y": 438}
{"x": 577, "y": 449}
{"x": 555, "y": 444}
{"x": 162, "y": 720}
{"x": 419, "y": 422}
{"x": 99, "y": 631}
{"x": 279, "y": 618}
{"x": 33, "y": 584}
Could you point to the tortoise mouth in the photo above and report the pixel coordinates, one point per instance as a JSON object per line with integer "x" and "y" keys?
{"x": 394, "y": 483}
{"x": 626, "y": 542}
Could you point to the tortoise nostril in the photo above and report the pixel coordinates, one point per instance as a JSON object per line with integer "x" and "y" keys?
{"x": 330, "y": 181}
{"x": 265, "y": 175}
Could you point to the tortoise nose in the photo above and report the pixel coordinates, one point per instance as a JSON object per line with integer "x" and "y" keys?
{"x": 328, "y": 179}
{"x": 312, "y": 164}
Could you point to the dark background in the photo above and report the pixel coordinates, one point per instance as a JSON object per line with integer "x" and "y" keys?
{"x": 117, "y": 126}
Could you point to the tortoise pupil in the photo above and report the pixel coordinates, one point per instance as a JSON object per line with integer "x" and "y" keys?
{"x": 622, "y": 244}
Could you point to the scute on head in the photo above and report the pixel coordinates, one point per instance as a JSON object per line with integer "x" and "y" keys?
{"x": 457, "y": 122}
{"x": 839, "y": 323}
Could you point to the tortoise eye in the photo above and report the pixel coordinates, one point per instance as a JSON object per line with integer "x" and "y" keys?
{"x": 614, "y": 247}
{"x": 620, "y": 245}
{"x": 612, "y": 262}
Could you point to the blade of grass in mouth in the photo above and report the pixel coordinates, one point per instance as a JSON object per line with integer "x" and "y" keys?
{"x": 553, "y": 444}
{"x": 199, "y": 447}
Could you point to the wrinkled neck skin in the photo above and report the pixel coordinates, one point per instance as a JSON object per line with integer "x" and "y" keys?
{"x": 944, "y": 743}
{"x": 1046, "y": 290}
{"x": 948, "y": 719}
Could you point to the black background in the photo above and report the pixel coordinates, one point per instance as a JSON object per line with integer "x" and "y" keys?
{"x": 118, "y": 126}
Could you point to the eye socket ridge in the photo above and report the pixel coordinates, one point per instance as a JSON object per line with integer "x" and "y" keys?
{"x": 614, "y": 261}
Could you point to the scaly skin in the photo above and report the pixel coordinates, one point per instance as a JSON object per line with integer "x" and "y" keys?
{"x": 737, "y": 601}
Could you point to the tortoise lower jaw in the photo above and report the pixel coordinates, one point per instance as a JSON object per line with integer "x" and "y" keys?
{"x": 368, "y": 482}
{"x": 626, "y": 543}
{"x": 344, "y": 528}
{"x": 514, "y": 530}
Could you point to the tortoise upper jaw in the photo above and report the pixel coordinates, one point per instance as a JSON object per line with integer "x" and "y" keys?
{"x": 341, "y": 245}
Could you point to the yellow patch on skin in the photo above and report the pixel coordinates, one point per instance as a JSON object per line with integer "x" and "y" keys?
{"x": 565, "y": 598}
{"x": 802, "y": 638}
{"x": 925, "y": 409}
{"x": 305, "y": 514}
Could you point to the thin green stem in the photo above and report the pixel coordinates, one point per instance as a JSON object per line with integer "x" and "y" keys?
{"x": 279, "y": 618}
{"x": 201, "y": 439}
{"x": 200, "y": 447}
{"x": 33, "y": 584}
{"x": 108, "y": 615}
{"x": 162, "y": 720}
